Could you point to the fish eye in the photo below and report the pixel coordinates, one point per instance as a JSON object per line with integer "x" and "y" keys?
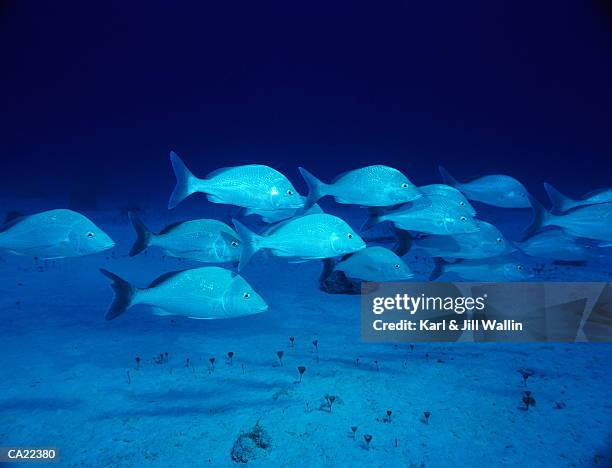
{"x": 289, "y": 192}
{"x": 520, "y": 267}
{"x": 349, "y": 235}
{"x": 463, "y": 218}
{"x": 234, "y": 243}
{"x": 90, "y": 234}
{"x": 246, "y": 295}
{"x": 499, "y": 240}
{"x": 396, "y": 265}
{"x": 461, "y": 203}
{"x": 404, "y": 185}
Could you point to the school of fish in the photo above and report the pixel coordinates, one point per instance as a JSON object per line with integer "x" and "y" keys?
{"x": 436, "y": 220}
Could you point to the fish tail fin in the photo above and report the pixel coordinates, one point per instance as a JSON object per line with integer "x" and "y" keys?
{"x": 447, "y": 177}
{"x": 143, "y": 234}
{"x": 375, "y": 216}
{"x": 186, "y": 182}
{"x": 316, "y": 188}
{"x": 439, "y": 265}
{"x": 251, "y": 243}
{"x": 541, "y": 218}
{"x": 373, "y": 220}
{"x": 124, "y": 295}
{"x": 328, "y": 267}
{"x": 560, "y": 202}
{"x": 403, "y": 243}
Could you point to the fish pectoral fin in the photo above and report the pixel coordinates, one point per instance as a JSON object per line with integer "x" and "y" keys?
{"x": 215, "y": 199}
{"x": 280, "y": 252}
{"x": 343, "y": 200}
{"x": 160, "y": 312}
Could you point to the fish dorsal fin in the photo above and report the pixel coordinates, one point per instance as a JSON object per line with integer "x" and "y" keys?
{"x": 340, "y": 176}
{"x": 223, "y": 170}
{"x": 9, "y": 223}
{"x": 218, "y": 172}
{"x": 13, "y": 215}
{"x": 160, "y": 312}
{"x": 276, "y": 226}
{"x": 593, "y": 193}
{"x": 170, "y": 227}
{"x": 582, "y": 207}
{"x": 163, "y": 278}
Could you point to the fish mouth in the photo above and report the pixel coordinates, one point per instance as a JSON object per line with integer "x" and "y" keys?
{"x": 294, "y": 206}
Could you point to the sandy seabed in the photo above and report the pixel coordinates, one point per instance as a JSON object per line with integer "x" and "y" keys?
{"x": 68, "y": 378}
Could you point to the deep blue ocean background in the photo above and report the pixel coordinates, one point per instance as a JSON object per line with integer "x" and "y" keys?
{"x": 96, "y": 95}
{"x": 102, "y": 94}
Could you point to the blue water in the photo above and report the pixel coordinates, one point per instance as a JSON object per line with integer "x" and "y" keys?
{"x": 94, "y": 101}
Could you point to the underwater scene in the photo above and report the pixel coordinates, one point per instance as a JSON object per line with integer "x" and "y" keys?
{"x": 197, "y": 197}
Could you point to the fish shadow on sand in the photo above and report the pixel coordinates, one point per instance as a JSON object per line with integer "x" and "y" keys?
{"x": 202, "y": 392}
{"x": 160, "y": 410}
{"x": 38, "y": 404}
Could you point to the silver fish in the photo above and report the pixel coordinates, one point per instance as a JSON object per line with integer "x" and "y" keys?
{"x": 251, "y": 186}
{"x": 280, "y": 215}
{"x": 368, "y": 186}
{"x": 198, "y": 293}
{"x": 375, "y": 264}
{"x": 562, "y": 204}
{"x": 488, "y": 242}
{"x": 204, "y": 240}
{"x": 448, "y": 192}
{"x": 496, "y": 190}
{"x": 433, "y": 214}
{"x": 554, "y": 244}
{"x": 309, "y": 237}
{"x": 54, "y": 234}
{"x": 590, "y": 221}
{"x": 499, "y": 269}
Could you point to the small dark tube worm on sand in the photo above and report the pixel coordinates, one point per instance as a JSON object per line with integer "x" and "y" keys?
{"x": 330, "y": 401}
{"x": 528, "y": 399}
{"x": 525, "y": 373}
